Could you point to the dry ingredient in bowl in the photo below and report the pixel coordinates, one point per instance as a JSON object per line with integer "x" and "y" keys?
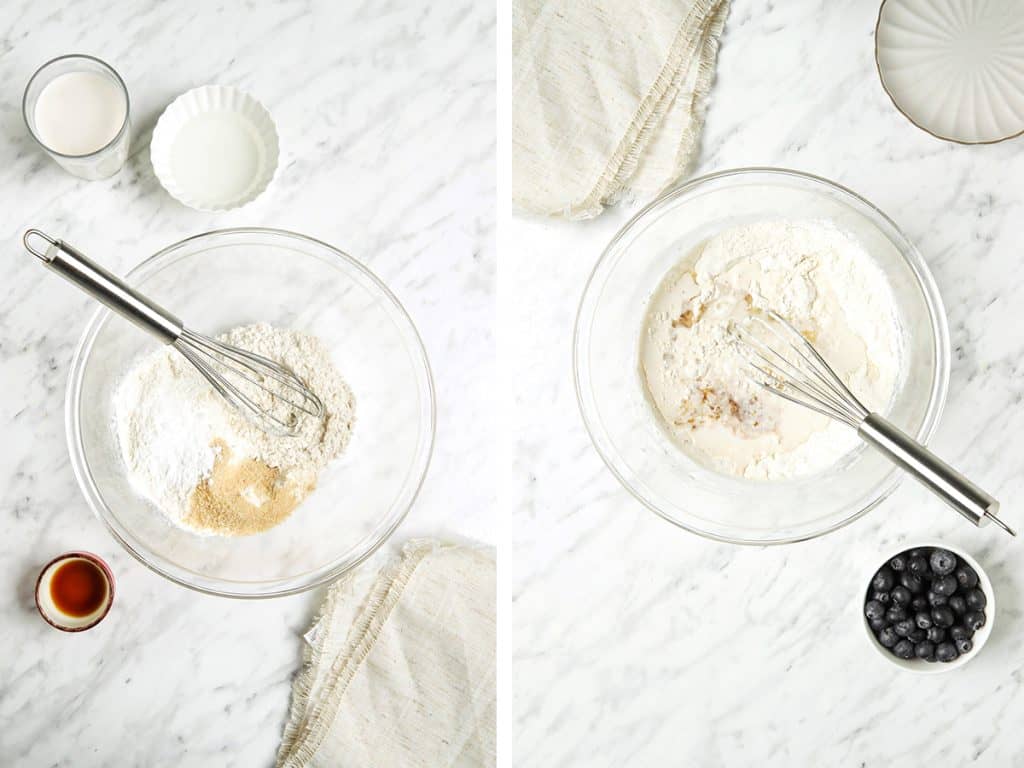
{"x": 208, "y": 468}
{"x": 817, "y": 277}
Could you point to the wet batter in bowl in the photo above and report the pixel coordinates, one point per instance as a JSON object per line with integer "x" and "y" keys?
{"x": 823, "y": 282}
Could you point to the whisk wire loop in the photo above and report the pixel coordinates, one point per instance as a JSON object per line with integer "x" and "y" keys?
{"x": 802, "y": 377}
{"x": 256, "y": 369}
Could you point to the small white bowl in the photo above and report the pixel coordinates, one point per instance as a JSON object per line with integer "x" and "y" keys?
{"x": 215, "y": 148}
{"x": 980, "y": 637}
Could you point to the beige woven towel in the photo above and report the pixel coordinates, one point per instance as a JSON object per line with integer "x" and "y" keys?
{"x": 608, "y": 98}
{"x": 400, "y": 668}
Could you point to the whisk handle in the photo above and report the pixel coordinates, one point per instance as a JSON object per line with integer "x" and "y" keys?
{"x": 940, "y": 478}
{"x": 106, "y": 287}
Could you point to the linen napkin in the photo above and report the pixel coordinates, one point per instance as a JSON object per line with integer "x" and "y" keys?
{"x": 608, "y": 98}
{"x": 399, "y": 670}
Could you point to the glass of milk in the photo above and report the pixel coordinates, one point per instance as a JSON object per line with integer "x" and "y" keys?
{"x": 76, "y": 107}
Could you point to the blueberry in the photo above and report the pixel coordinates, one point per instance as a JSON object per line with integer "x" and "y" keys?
{"x": 943, "y": 562}
{"x": 901, "y": 595}
{"x": 966, "y": 576}
{"x": 944, "y": 585}
{"x": 888, "y": 637}
{"x": 874, "y": 609}
{"x": 884, "y": 580}
{"x": 894, "y": 614}
{"x": 917, "y": 565}
{"x": 960, "y": 633}
{"x": 935, "y": 599}
{"x": 898, "y": 563}
{"x": 917, "y": 635}
{"x": 974, "y": 620}
{"x": 976, "y": 599}
{"x": 904, "y": 649}
{"x": 882, "y": 597}
{"x": 958, "y": 604}
{"x": 904, "y": 628}
{"x": 936, "y": 635}
{"x": 963, "y": 645}
{"x": 919, "y": 603}
{"x": 925, "y": 650}
{"x": 923, "y": 619}
{"x": 945, "y": 652}
{"x": 877, "y": 625}
{"x": 914, "y": 583}
{"x": 942, "y": 615}
{"x": 918, "y": 552}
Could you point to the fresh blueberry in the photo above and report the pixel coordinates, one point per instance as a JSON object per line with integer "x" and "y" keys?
{"x": 917, "y": 635}
{"x": 935, "y": 599}
{"x": 944, "y": 585}
{"x": 877, "y": 625}
{"x": 884, "y": 580}
{"x": 958, "y": 604}
{"x": 976, "y": 599}
{"x": 942, "y": 616}
{"x": 945, "y": 651}
{"x": 919, "y": 603}
{"x": 914, "y": 583}
{"x": 888, "y": 637}
{"x": 882, "y": 597}
{"x": 901, "y": 595}
{"x": 895, "y": 613}
{"x": 904, "y": 649}
{"x": 904, "y": 628}
{"x": 966, "y": 576}
{"x": 974, "y": 620}
{"x": 963, "y": 645}
{"x": 917, "y": 565}
{"x": 936, "y": 635}
{"x": 898, "y": 563}
{"x": 925, "y": 650}
{"x": 942, "y": 561}
{"x": 874, "y": 609}
{"x": 960, "y": 632}
{"x": 923, "y": 619}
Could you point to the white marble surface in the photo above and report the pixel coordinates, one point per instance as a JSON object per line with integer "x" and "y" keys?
{"x": 634, "y": 643}
{"x": 386, "y": 115}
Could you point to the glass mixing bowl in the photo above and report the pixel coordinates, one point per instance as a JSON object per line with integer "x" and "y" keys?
{"x": 623, "y": 425}
{"x": 226, "y": 278}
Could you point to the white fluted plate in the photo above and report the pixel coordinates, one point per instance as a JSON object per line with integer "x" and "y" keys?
{"x": 215, "y": 148}
{"x": 955, "y": 68}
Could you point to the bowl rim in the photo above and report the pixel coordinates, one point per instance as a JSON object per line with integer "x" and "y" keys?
{"x": 925, "y": 668}
{"x": 76, "y": 449}
{"x": 911, "y": 257}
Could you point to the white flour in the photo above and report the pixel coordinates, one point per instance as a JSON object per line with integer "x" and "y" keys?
{"x": 819, "y": 279}
{"x": 168, "y": 419}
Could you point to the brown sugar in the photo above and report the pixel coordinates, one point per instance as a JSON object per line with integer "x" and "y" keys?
{"x": 242, "y": 498}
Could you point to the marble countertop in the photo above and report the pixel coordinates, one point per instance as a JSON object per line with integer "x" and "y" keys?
{"x": 634, "y": 643}
{"x": 386, "y": 114}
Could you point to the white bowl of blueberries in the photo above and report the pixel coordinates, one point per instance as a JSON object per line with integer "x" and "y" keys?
{"x": 929, "y": 608}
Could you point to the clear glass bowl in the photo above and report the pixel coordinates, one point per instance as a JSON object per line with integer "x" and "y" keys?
{"x": 226, "y": 278}
{"x": 624, "y": 427}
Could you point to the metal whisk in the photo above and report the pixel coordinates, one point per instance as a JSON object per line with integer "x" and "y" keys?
{"x": 266, "y": 392}
{"x": 785, "y": 363}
